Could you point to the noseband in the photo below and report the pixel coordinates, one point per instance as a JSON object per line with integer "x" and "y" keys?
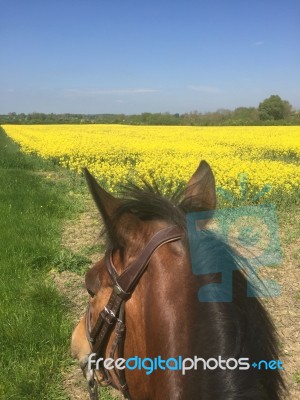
{"x": 113, "y": 313}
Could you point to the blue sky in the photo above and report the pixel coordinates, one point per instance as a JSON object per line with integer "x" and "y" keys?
{"x": 130, "y": 56}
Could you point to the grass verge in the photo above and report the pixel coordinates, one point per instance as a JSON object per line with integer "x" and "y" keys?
{"x": 35, "y": 330}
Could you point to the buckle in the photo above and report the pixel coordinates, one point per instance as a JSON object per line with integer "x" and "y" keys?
{"x": 120, "y": 292}
{"x": 108, "y": 315}
{"x": 92, "y": 386}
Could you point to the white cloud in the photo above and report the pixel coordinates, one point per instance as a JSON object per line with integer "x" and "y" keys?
{"x": 257, "y": 44}
{"x": 96, "y": 92}
{"x": 204, "y": 89}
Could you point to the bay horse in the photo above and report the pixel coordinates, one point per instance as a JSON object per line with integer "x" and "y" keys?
{"x": 146, "y": 282}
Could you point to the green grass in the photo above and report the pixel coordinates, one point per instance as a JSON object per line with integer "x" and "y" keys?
{"x": 297, "y": 377}
{"x": 35, "y": 330}
{"x": 67, "y": 260}
{"x": 35, "y": 327}
{"x": 78, "y": 262}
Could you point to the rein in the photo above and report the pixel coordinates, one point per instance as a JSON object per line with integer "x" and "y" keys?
{"x": 113, "y": 313}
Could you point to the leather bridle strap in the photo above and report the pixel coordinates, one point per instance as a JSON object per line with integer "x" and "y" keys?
{"x": 124, "y": 285}
{"x": 131, "y": 275}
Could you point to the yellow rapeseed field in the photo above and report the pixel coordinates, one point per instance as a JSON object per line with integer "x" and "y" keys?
{"x": 169, "y": 155}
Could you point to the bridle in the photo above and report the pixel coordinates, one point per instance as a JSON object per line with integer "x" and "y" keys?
{"x": 113, "y": 314}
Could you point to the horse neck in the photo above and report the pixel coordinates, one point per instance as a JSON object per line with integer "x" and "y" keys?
{"x": 165, "y": 318}
{"x": 161, "y": 322}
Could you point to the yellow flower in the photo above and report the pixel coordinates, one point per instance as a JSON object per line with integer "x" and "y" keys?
{"x": 169, "y": 155}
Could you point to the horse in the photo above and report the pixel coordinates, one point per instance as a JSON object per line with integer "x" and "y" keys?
{"x": 146, "y": 283}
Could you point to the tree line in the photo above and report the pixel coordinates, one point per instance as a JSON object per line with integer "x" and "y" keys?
{"x": 271, "y": 111}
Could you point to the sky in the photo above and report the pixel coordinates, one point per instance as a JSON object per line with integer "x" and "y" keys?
{"x": 134, "y": 56}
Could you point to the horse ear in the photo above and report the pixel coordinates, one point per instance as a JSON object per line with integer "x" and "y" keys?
{"x": 105, "y": 202}
{"x": 127, "y": 226}
{"x": 200, "y": 193}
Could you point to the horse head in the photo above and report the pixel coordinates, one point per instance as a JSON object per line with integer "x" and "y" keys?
{"x": 145, "y": 282}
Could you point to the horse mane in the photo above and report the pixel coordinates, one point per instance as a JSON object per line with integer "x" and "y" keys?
{"x": 246, "y": 326}
{"x": 148, "y": 203}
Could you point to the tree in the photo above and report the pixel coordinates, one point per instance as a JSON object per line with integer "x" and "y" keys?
{"x": 249, "y": 113}
{"x": 274, "y": 108}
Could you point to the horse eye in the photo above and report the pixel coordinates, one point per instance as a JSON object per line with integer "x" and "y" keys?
{"x": 92, "y": 281}
{"x": 92, "y": 294}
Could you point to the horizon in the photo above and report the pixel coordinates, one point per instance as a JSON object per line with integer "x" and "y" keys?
{"x": 83, "y": 57}
{"x": 218, "y": 111}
